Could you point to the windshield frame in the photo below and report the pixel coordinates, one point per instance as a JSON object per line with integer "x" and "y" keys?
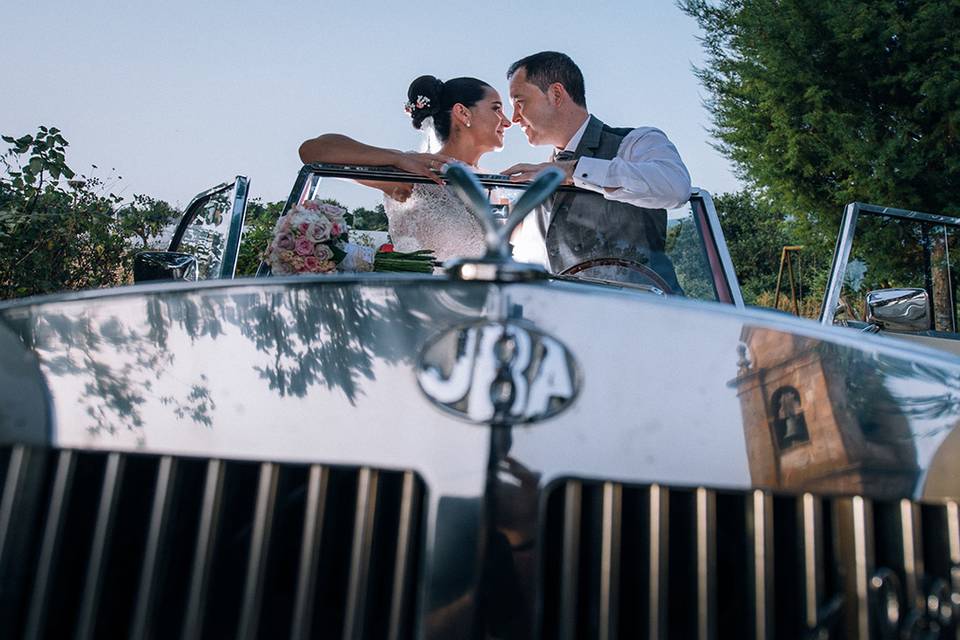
{"x": 844, "y": 245}
{"x": 703, "y": 213}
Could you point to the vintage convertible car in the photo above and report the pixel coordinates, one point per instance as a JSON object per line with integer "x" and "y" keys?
{"x": 488, "y": 452}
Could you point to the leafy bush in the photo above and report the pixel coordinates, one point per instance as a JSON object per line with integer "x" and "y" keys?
{"x": 60, "y": 231}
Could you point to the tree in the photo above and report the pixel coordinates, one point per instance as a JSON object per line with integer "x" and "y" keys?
{"x": 370, "y": 219}
{"x": 755, "y": 233}
{"x": 257, "y": 233}
{"x": 54, "y": 236}
{"x": 62, "y": 231}
{"x": 144, "y": 219}
{"x": 824, "y": 103}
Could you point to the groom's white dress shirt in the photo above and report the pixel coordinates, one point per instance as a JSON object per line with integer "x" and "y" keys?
{"x": 647, "y": 171}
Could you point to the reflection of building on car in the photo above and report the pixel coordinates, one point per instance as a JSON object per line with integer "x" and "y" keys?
{"x": 798, "y": 409}
{"x": 491, "y": 448}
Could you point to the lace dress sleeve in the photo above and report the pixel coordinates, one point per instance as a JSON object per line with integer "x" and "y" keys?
{"x": 432, "y": 217}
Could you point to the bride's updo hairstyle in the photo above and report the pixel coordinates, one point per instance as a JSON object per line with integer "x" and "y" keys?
{"x": 429, "y": 97}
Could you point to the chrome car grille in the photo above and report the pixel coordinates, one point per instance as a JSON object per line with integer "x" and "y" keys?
{"x": 122, "y": 545}
{"x": 658, "y": 562}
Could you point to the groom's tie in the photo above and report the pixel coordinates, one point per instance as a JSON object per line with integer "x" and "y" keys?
{"x": 564, "y": 155}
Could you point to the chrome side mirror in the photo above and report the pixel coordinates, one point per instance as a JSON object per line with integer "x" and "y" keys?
{"x": 899, "y": 309}
{"x": 150, "y": 266}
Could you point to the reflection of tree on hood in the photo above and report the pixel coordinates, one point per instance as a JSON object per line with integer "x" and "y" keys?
{"x": 328, "y": 335}
{"x": 871, "y": 397}
{"x": 116, "y": 364}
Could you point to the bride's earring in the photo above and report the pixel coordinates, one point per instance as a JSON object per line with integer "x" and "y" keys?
{"x": 468, "y": 124}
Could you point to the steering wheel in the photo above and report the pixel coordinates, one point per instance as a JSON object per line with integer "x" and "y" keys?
{"x": 618, "y": 270}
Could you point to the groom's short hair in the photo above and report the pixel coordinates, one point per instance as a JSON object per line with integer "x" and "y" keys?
{"x": 547, "y": 67}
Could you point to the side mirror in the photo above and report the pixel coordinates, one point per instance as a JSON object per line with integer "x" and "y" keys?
{"x": 899, "y": 309}
{"x": 150, "y": 266}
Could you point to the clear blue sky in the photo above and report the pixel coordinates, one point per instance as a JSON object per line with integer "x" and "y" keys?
{"x": 178, "y": 96}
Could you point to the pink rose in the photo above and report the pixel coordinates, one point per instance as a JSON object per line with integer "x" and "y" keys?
{"x": 285, "y": 241}
{"x": 303, "y": 226}
{"x": 304, "y": 247}
{"x": 335, "y": 230}
{"x": 311, "y": 205}
{"x": 331, "y": 210}
{"x": 319, "y": 231}
{"x": 323, "y": 252}
{"x": 310, "y": 263}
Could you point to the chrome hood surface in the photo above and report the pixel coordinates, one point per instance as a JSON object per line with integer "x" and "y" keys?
{"x": 324, "y": 370}
{"x": 672, "y": 391}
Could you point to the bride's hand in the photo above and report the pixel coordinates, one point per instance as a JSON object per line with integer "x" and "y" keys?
{"x": 399, "y": 191}
{"x": 427, "y": 165}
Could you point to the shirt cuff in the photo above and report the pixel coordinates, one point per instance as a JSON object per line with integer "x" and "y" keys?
{"x": 591, "y": 173}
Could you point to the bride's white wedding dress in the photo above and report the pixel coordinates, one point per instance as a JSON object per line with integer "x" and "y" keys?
{"x": 432, "y": 217}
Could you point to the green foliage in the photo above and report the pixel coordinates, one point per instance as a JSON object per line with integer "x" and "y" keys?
{"x": 755, "y": 235}
{"x": 144, "y": 219}
{"x": 369, "y": 219}
{"x": 689, "y": 261}
{"x": 257, "y": 233}
{"x": 824, "y": 103}
{"x": 60, "y": 231}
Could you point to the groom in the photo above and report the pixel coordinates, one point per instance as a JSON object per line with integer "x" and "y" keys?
{"x": 637, "y": 171}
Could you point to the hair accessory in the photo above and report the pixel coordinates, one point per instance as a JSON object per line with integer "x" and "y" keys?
{"x": 422, "y": 102}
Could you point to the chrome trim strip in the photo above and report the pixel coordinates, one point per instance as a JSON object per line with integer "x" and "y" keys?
{"x": 706, "y": 549}
{"x": 855, "y": 548}
{"x": 203, "y": 554}
{"x": 721, "y": 245}
{"x": 156, "y": 535}
{"x": 363, "y": 523}
{"x": 761, "y": 516}
{"x": 811, "y": 530}
{"x": 953, "y": 545}
{"x": 910, "y": 539}
{"x": 259, "y": 549}
{"x": 610, "y": 560}
{"x": 12, "y": 483}
{"x": 906, "y": 213}
{"x": 106, "y": 512}
{"x": 657, "y": 580}
{"x": 953, "y": 531}
{"x": 402, "y": 564}
{"x": 863, "y": 540}
{"x": 231, "y": 247}
{"x": 841, "y": 254}
{"x": 569, "y": 577}
{"x": 310, "y": 551}
{"x": 56, "y": 514}
{"x": 389, "y": 174}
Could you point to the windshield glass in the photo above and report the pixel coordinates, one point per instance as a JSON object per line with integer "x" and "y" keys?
{"x": 205, "y": 237}
{"x": 670, "y": 251}
{"x": 896, "y": 252}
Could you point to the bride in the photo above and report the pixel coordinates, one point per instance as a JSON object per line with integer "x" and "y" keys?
{"x": 466, "y": 115}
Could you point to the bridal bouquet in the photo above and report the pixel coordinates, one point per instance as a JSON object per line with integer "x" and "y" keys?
{"x": 313, "y": 237}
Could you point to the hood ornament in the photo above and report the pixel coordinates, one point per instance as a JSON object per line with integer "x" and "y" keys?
{"x": 499, "y": 373}
{"x": 497, "y": 263}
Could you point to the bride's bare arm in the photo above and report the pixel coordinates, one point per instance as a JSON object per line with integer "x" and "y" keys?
{"x": 340, "y": 149}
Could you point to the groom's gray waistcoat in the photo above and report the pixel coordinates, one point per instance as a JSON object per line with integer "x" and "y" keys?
{"x": 583, "y": 227}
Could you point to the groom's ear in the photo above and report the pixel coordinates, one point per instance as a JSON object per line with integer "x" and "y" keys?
{"x": 557, "y": 94}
